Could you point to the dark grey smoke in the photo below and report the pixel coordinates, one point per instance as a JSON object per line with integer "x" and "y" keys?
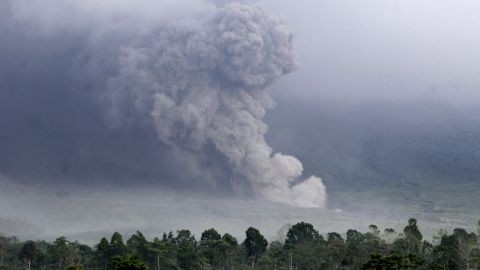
{"x": 56, "y": 57}
{"x": 203, "y": 87}
{"x": 197, "y": 84}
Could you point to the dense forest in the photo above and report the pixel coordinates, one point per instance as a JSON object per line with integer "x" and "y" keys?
{"x": 302, "y": 248}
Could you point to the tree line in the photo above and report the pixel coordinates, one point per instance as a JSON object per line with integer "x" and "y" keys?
{"x": 303, "y": 248}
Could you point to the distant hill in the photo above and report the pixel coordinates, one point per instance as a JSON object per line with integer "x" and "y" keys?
{"x": 413, "y": 154}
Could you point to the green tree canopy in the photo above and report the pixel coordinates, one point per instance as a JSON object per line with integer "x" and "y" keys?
{"x": 411, "y": 230}
{"x": 187, "y": 255}
{"x": 128, "y": 263}
{"x": 28, "y": 251}
{"x": 117, "y": 247}
{"x": 299, "y": 233}
{"x": 255, "y": 244}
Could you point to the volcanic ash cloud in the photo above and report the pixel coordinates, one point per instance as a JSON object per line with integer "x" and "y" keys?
{"x": 202, "y": 87}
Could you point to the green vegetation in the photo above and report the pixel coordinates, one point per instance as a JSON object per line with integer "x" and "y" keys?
{"x": 303, "y": 249}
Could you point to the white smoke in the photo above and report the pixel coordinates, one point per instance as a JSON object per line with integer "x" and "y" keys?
{"x": 203, "y": 85}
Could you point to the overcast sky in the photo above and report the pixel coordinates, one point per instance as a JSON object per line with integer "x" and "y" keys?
{"x": 59, "y": 55}
{"x": 390, "y": 49}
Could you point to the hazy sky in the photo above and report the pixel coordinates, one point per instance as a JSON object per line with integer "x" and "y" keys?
{"x": 391, "y": 49}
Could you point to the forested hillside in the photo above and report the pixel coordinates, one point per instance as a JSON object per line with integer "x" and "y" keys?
{"x": 421, "y": 156}
{"x": 302, "y": 248}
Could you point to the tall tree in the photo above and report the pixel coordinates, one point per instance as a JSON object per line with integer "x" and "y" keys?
{"x": 447, "y": 253}
{"x": 3, "y": 246}
{"x": 59, "y": 251}
{"x": 255, "y": 244}
{"x": 335, "y": 249}
{"x": 356, "y": 251}
{"x": 138, "y": 245}
{"x": 411, "y": 230}
{"x": 228, "y": 247}
{"x": 117, "y": 247}
{"x": 102, "y": 253}
{"x": 187, "y": 255}
{"x": 28, "y": 253}
{"x": 128, "y": 263}
{"x": 299, "y": 233}
{"x": 211, "y": 247}
{"x": 412, "y": 240}
{"x": 165, "y": 251}
{"x": 466, "y": 243}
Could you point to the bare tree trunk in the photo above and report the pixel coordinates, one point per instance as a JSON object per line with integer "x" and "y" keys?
{"x": 291, "y": 261}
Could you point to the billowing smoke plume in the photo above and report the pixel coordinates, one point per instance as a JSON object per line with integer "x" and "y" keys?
{"x": 202, "y": 87}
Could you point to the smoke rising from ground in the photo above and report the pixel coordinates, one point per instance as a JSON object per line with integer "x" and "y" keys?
{"x": 193, "y": 77}
{"x": 203, "y": 86}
